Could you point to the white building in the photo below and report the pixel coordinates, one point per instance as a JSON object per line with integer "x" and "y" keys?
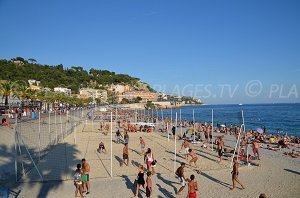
{"x": 93, "y": 93}
{"x": 66, "y": 91}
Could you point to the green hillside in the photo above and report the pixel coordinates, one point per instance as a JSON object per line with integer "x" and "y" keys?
{"x": 74, "y": 77}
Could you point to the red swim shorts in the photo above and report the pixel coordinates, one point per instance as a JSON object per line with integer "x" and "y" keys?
{"x": 193, "y": 195}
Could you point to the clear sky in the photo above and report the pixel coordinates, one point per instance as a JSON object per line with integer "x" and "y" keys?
{"x": 215, "y": 50}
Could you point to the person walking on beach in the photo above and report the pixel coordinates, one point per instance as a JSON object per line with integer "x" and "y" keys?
{"x": 125, "y": 155}
{"x": 173, "y": 131}
{"x": 220, "y": 145}
{"x": 143, "y": 144}
{"x": 149, "y": 159}
{"x": 235, "y": 173}
{"x": 186, "y": 146}
{"x": 192, "y": 187}
{"x": 78, "y": 181}
{"x": 140, "y": 181}
{"x": 180, "y": 173}
{"x": 255, "y": 146}
{"x": 126, "y": 137}
{"x": 86, "y": 176}
{"x": 194, "y": 160}
{"x": 149, "y": 185}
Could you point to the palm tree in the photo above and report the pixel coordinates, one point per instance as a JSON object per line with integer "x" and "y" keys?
{"x": 6, "y": 90}
{"x": 21, "y": 93}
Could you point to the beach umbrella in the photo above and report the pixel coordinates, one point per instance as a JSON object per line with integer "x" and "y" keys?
{"x": 259, "y": 130}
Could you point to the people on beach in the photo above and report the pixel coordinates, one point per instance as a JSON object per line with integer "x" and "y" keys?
{"x": 235, "y": 173}
{"x": 125, "y": 155}
{"x": 180, "y": 173}
{"x": 192, "y": 187}
{"x": 101, "y": 148}
{"x": 140, "y": 181}
{"x": 149, "y": 160}
{"x": 86, "y": 177}
{"x": 149, "y": 185}
{"x": 142, "y": 144}
{"x": 220, "y": 145}
{"x": 78, "y": 181}
{"x": 194, "y": 160}
{"x": 186, "y": 146}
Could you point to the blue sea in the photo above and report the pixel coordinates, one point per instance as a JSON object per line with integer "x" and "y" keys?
{"x": 283, "y": 117}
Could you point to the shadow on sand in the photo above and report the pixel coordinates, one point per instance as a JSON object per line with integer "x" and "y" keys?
{"x": 292, "y": 171}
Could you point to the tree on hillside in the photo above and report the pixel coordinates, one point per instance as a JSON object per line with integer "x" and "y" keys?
{"x": 32, "y": 60}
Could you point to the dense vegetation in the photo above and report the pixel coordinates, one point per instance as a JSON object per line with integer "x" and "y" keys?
{"x": 59, "y": 76}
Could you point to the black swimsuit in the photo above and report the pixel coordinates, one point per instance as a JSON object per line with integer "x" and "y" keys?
{"x": 141, "y": 179}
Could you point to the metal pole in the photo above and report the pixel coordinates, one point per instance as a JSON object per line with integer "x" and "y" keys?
{"x": 61, "y": 128}
{"x": 171, "y": 119}
{"x": 194, "y": 125}
{"x": 168, "y": 132}
{"x": 180, "y": 122}
{"x": 49, "y": 127}
{"x": 16, "y": 152}
{"x": 39, "y": 135}
{"x": 175, "y": 149}
{"x": 212, "y": 129}
{"x": 111, "y": 155}
{"x": 55, "y": 127}
{"x": 92, "y": 120}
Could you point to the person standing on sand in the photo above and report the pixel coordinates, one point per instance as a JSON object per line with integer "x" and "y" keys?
{"x": 186, "y": 146}
{"x": 77, "y": 181}
{"x": 149, "y": 160}
{"x": 140, "y": 181}
{"x": 180, "y": 173}
{"x": 255, "y": 146}
{"x": 143, "y": 144}
{"x": 125, "y": 155}
{"x": 235, "y": 173}
{"x": 85, "y": 176}
{"x": 192, "y": 187}
{"x": 220, "y": 144}
{"x": 194, "y": 159}
{"x": 126, "y": 137}
{"x": 149, "y": 185}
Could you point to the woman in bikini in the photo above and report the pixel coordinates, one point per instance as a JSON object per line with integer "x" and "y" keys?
{"x": 194, "y": 159}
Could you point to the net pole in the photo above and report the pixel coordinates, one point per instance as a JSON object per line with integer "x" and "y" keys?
{"x": 39, "y": 135}
{"x": 55, "y": 121}
{"x": 168, "y": 132}
{"x": 175, "y": 146}
{"x": 212, "y": 129}
{"x": 111, "y": 155}
{"x": 180, "y": 122}
{"x": 61, "y": 128}
{"x": 16, "y": 152}
{"x": 171, "y": 119}
{"x": 194, "y": 125}
{"x": 92, "y": 120}
{"x": 49, "y": 126}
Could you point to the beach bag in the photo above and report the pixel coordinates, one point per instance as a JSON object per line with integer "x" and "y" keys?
{"x": 153, "y": 163}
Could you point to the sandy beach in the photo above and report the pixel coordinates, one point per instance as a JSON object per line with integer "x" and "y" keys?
{"x": 277, "y": 175}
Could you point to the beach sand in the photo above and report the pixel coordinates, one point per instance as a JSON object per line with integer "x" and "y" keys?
{"x": 277, "y": 175}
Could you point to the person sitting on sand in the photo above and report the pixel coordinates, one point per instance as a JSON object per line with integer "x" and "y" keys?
{"x": 283, "y": 143}
{"x": 293, "y": 154}
{"x": 272, "y": 148}
{"x": 101, "y": 148}
{"x": 5, "y": 123}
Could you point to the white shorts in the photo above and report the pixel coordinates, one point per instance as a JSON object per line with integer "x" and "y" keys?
{"x": 182, "y": 181}
{"x": 186, "y": 151}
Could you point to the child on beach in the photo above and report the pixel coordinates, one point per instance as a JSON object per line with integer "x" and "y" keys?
{"x": 77, "y": 181}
